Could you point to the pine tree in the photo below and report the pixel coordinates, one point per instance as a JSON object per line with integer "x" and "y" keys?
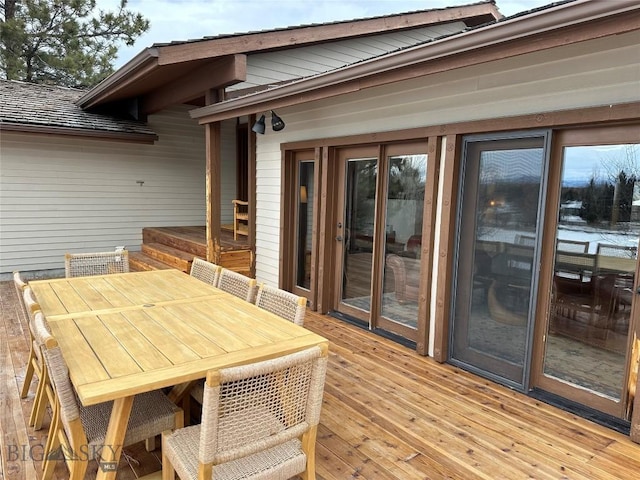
{"x": 63, "y": 42}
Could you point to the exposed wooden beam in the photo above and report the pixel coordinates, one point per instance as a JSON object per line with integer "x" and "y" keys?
{"x": 215, "y": 75}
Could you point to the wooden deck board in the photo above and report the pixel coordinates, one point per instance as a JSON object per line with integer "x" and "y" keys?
{"x": 388, "y": 414}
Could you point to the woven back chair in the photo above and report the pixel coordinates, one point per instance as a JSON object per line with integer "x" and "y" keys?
{"x": 36, "y": 362}
{"x": 20, "y": 285}
{"x": 258, "y": 421}
{"x": 206, "y": 271}
{"x": 284, "y": 304}
{"x": 35, "y": 358}
{"x": 99, "y": 263}
{"x": 236, "y": 284}
{"x": 80, "y": 431}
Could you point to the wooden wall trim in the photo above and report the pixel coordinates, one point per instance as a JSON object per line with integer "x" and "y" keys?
{"x": 148, "y": 138}
{"x": 451, "y": 168}
{"x": 428, "y": 240}
{"x": 625, "y": 112}
{"x": 251, "y": 193}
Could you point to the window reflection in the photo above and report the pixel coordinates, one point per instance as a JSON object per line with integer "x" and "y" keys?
{"x": 595, "y": 260}
{"x": 405, "y": 205}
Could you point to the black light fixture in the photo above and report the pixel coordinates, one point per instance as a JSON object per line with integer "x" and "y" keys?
{"x": 258, "y": 127}
{"x": 276, "y": 122}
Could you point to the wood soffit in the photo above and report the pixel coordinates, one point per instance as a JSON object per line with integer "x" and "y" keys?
{"x": 160, "y": 65}
{"x": 455, "y": 52}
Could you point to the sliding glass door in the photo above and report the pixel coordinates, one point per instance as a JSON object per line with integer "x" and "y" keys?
{"x": 381, "y": 192}
{"x": 585, "y": 355}
{"x": 497, "y": 251}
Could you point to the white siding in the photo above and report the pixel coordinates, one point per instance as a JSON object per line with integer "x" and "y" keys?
{"x": 65, "y": 194}
{"x": 594, "y": 73}
{"x": 274, "y": 67}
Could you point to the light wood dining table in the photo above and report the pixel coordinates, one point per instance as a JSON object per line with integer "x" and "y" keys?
{"x": 124, "y": 334}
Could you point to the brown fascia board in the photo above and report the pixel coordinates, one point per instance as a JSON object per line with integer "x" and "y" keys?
{"x": 561, "y": 20}
{"x": 474, "y": 14}
{"x": 146, "y": 138}
{"x": 135, "y": 69}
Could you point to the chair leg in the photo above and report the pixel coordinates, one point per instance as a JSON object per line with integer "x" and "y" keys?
{"x": 150, "y": 444}
{"x": 39, "y": 405}
{"x": 28, "y": 376}
{"x": 168, "y": 473}
{"x": 53, "y": 442}
{"x": 309, "y": 448}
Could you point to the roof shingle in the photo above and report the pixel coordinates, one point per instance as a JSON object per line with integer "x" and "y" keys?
{"x": 51, "y": 106}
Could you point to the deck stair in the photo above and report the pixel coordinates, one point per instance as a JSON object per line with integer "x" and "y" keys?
{"x": 175, "y": 247}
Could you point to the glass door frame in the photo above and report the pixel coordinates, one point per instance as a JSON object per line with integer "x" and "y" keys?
{"x": 289, "y": 244}
{"x": 501, "y": 139}
{"x": 567, "y": 138}
{"x": 374, "y": 320}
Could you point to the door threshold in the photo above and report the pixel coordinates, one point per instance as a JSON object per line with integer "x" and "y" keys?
{"x": 378, "y": 331}
{"x": 604, "y": 419}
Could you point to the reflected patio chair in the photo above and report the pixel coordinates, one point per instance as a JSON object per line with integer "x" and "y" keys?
{"x": 258, "y": 421}
{"x": 81, "y": 430}
{"x": 618, "y": 251}
{"x": 238, "y": 285}
{"x": 576, "y": 246}
{"x": 99, "y": 263}
{"x": 527, "y": 240}
{"x": 206, "y": 271}
{"x": 284, "y": 304}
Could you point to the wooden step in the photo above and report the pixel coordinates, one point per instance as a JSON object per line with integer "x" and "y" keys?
{"x": 171, "y": 256}
{"x": 237, "y": 260}
{"x": 139, "y": 262}
{"x": 187, "y": 239}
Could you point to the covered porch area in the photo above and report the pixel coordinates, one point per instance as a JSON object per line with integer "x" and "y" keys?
{"x": 388, "y": 414}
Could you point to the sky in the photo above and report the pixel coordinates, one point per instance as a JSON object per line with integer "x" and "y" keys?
{"x": 174, "y": 20}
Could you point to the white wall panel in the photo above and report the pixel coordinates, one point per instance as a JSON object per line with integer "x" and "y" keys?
{"x": 66, "y": 194}
{"x": 290, "y": 64}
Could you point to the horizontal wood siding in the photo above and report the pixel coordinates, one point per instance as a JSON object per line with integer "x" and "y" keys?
{"x": 593, "y": 73}
{"x": 66, "y": 194}
{"x": 290, "y": 64}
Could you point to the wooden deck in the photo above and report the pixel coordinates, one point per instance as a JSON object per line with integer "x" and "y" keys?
{"x": 389, "y": 414}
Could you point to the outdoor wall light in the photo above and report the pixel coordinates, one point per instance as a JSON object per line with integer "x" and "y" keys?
{"x": 277, "y": 123}
{"x": 258, "y": 127}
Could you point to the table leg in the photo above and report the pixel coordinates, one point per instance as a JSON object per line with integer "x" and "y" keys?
{"x": 114, "y": 439}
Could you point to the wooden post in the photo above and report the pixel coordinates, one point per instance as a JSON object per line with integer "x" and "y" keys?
{"x": 251, "y": 195}
{"x": 213, "y": 183}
